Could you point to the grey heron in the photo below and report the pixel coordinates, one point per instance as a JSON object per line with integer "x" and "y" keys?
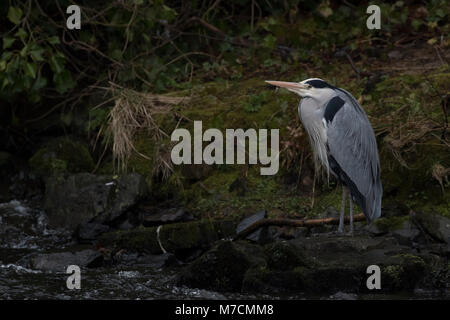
{"x": 343, "y": 143}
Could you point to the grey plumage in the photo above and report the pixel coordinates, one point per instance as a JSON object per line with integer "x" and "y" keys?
{"x": 343, "y": 142}
{"x": 352, "y": 143}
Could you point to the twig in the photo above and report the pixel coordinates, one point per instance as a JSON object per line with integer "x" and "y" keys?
{"x": 353, "y": 65}
{"x": 294, "y": 223}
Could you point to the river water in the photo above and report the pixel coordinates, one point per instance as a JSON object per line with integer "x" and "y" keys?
{"x": 24, "y": 231}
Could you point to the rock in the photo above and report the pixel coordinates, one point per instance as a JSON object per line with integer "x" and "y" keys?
{"x": 436, "y": 226}
{"x": 343, "y": 296}
{"x": 407, "y": 233}
{"x": 61, "y": 155}
{"x": 126, "y": 225}
{"x": 373, "y": 230}
{"x": 221, "y": 268}
{"x": 334, "y": 263}
{"x": 259, "y": 235}
{"x": 176, "y": 238}
{"x": 394, "y": 209}
{"x": 395, "y": 54}
{"x": 166, "y": 216}
{"x": 5, "y": 159}
{"x": 85, "y": 197}
{"x": 58, "y": 262}
{"x": 90, "y": 231}
{"x": 283, "y": 255}
{"x": 196, "y": 172}
{"x": 156, "y": 261}
{"x": 287, "y": 233}
{"x": 322, "y": 264}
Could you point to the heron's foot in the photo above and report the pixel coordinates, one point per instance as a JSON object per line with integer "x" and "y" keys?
{"x": 340, "y": 230}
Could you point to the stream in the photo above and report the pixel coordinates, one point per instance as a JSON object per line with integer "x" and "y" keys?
{"x": 24, "y": 232}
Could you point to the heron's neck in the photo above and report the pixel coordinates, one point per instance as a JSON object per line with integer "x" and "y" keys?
{"x": 311, "y": 117}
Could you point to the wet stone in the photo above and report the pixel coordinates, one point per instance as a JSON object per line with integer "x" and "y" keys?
{"x": 166, "y": 216}
{"x": 58, "y": 262}
{"x": 259, "y": 235}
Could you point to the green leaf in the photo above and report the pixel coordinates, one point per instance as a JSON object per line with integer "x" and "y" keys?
{"x": 14, "y": 14}
{"x": 415, "y": 23}
{"x": 40, "y": 83}
{"x": 8, "y": 42}
{"x": 53, "y": 40}
{"x": 56, "y": 64}
{"x": 22, "y": 34}
{"x": 116, "y": 54}
{"x": 36, "y": 54}
{"x": 23, "y": 52}
{"x": 31, "y": 69}
{"x": 269, "y": 41}
{"x": 7, "y": 55}
{"x": 5, "y": 83}
{"x": 63, "y": 81}
{"x": 440, "y": 13}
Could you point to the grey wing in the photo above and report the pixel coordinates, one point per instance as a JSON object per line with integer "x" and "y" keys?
{"x": 353, "y": 155}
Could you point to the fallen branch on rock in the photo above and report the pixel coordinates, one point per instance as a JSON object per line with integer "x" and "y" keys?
{"x": 280, "y": 222}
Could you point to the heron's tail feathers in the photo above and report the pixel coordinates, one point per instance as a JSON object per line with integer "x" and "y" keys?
{"x": 375, "y": 205}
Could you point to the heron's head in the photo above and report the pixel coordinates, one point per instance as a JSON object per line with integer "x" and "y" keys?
{"x": 313, "y": 88}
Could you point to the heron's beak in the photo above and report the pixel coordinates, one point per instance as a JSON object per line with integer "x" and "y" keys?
{"x": 291, "y": 86}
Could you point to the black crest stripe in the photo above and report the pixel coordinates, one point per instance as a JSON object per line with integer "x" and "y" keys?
{"x": 319, "y": 84}
{"x": 333, "y": 106}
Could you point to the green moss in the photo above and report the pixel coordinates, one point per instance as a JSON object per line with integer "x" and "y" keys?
{"x": 284, "y": 256}
{"x": 391, "y": 223}
{"x": 406, "y": 169}
{"x": 62, "y": 155}
{"x": 173, "y": 237}
{"x": 393, "y": 275}
{"x": 411, "y": 259}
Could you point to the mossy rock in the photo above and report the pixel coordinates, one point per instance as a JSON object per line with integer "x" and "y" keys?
{"x": 174, "y": 237}
{"x": 222, "y": 268}
{"x": 390, "y": 224}
{"x": 284, "y": 256}
{"x": 264, "y": 280}
{"x": 62, "y": 155}
{"x": 405, "y": 275}
{"x": 437, "y": 227}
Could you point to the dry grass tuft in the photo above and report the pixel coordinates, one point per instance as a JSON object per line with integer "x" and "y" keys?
{"x": 133, "y": 112}
{"x": 441, "y": 173}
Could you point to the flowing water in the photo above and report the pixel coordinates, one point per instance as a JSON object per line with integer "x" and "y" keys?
{"x": 24, "y": 231}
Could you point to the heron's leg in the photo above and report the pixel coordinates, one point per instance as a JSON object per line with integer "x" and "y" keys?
{"x": 351, "y": 214}
{"x": 341, "y": 217}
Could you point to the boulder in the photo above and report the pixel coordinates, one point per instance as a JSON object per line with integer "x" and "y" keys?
{"x": 261, "y": 235}
{"x": 222, "y": 268}
{"x": 436, "y": 226}
{"x": 322, "y": 264}
{"x": 156, "y": 261}
{"x": 83, "y": 197}
{"x": 176, "y": 238}
{"x": 407, "y": 233}
{"x": 89, "y": 231}
{"x": 165, "y": 216}
{"x": 58, "y": 262}
{"x": 61, "y": 155}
